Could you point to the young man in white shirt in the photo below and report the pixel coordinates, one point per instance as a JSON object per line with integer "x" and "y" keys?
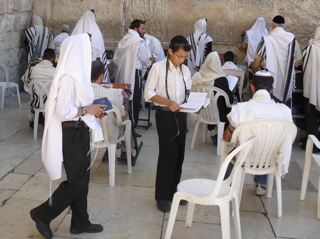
{"x": 168, "y": 85}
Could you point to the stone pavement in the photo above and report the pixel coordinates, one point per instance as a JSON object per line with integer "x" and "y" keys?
{"x": 128, "y": 210}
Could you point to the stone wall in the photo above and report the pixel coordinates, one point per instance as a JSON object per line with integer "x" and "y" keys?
{"x": 165, "y": 19}
{"x": 15, "y": 16}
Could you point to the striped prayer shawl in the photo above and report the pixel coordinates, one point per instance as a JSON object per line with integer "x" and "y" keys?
{"x": 289, "y": 78}
{"x": 39, "y": 38}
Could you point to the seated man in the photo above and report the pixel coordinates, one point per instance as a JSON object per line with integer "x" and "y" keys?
{"x": 117, "y": 97}
{"x": 43, "y": 70}
{"x": 65, "y": 31}
{"x": 229, "y": 61}
{"x": 261, "y": 106}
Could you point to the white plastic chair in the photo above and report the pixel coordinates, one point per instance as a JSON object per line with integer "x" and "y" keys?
{"x": 241, "y": 74}
{"x": 7, "y": 84}
{"x": 273, "y": 136}
{"x": 112, "y": 144}
{"x": 210, "y": 114}
{"x": 309, "y": 158}
{"x": 40, "y": 88}
{"x": 213, "y": 192}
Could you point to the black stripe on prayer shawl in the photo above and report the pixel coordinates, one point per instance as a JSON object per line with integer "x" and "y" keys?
{"x": 306, "y": 55}
{"x": 290, "y": 76}
{"x": 261, "y": 49}
{"x": 105, "y": 64}
{"x": 194, "y": 46}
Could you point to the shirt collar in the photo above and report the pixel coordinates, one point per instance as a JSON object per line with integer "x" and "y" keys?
{"x": 262, "y": 94}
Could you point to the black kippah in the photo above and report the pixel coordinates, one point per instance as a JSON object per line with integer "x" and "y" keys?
{"x": 263, "y": 79}
{"x": 278, "y": 19}
{"x": 97, "y": 68}
{"x": 181, "y": 40}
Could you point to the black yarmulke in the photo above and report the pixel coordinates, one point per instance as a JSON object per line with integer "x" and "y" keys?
{"x": 278, "y": 19}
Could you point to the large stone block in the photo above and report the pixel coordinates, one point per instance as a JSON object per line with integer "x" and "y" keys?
{"x": 26, "y": 5}
{"x": 14, "y": 6}
{"x": 13, "y": 22}
{"x": 3, "y": 6}
{"x": 25, "y": 20}
{"x": 3, "y": 24}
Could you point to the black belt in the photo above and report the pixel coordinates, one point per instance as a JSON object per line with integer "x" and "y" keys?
{"x": 74, "y": 124}
{"x": 163, "y": 108}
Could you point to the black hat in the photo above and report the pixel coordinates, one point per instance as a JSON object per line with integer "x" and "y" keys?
{"x": 278, "y": 19}
{"x": 181, "y": 40}
{"x": 263, "y": 79}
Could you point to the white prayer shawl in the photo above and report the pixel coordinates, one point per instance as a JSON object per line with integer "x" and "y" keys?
{"x": 229, "y": 65}
{"x": 257, "y": 31}
{"x": 87, "y": 24}
{"x": 125, "y": 58}
{"x": 39, "y": 38}
{"x": 198, "y": 40}
{"x": 280, "y": 48}
{"x": 154, "y": 47}
{"x": 74, "y": 62}
{"x": 311, "y": 68}
{"x": 210, "y": 70}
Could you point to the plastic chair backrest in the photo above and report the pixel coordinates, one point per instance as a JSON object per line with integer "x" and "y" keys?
{"x": 104, "y": 124}
{"x": 271, "y": 137}
{"x": 241, "y": 154}
{"x": 6, "y": 71}
{"x": 41, "y": 88}
{"x": 211, "y": 112}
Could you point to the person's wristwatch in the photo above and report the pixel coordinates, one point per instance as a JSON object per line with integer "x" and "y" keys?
{"x": 83, "y": 111}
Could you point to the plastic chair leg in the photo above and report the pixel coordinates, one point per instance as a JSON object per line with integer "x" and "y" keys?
{"x": 190, "y": 213}
{"x": 195, "y": 131}
{"x": 35, "y": 124}
{"x": 279, "y": 195}
{"x": 18, "y": 95}
{"x": 3, "y": 89}
{"x": 112, "y": 161}
{"x": 318, "y": 205}
{"x": 128, "y": 151}
{"x": 225, "y": 219}
{"x": 270, "y": 179}
{"x": 306, "y": 169}
{"x": 204, "y": 132}
{"x": 236, "y": 217}
{"x": 219, "y": 136}
{"x": 172, "y": 216}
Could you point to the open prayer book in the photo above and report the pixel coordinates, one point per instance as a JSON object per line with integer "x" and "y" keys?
{"x": 195, "y": 102}
{"x": 232, "y": 81}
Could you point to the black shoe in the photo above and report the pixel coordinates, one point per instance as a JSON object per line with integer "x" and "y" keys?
{"x": 164, "y": 206}
{"x": 138, "y": 135}
{"x": 31, "y": 124}
{"x": 93, "y": 228}
{"x": 183, "y": 202}
{"x": 43, "y": 228}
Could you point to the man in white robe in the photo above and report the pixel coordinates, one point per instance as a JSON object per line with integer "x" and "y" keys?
{"x": 252, "y": 37}
{"x": 201, "y": 46}
{"x": 70, "y": 118}
{"x": 87, "y": 24}
{"x": 39, "y": 38}
{"x": 281, "y": 53}
{"x": 131, "y": 61}
{"x": 65, "y": 31}
{"x": 311, "y": 85}
{"x": 154, "y": 47}
{"x": 43, "y": 70}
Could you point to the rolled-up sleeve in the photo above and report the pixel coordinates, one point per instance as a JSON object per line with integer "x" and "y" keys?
{"x": 66, "y": 108}
{"x": 150, "y": 88}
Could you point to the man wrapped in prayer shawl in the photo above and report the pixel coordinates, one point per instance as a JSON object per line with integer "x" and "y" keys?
{"x": 87, "y": 24}
{"x": 201, "y": 46}
{"x": 311, "y": 85}
{"x": 39, "y": 38}
{"x": 281, "y": 53}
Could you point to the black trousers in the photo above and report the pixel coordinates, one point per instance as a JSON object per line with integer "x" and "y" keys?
{"x": 137, "y": 97}
{"x": 171, "y": 128}
{"x": 72, "y": 192}
{"x": 312, "y": 119}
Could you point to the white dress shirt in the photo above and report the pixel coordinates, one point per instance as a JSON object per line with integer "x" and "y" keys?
{"x": 178, "y": 81}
